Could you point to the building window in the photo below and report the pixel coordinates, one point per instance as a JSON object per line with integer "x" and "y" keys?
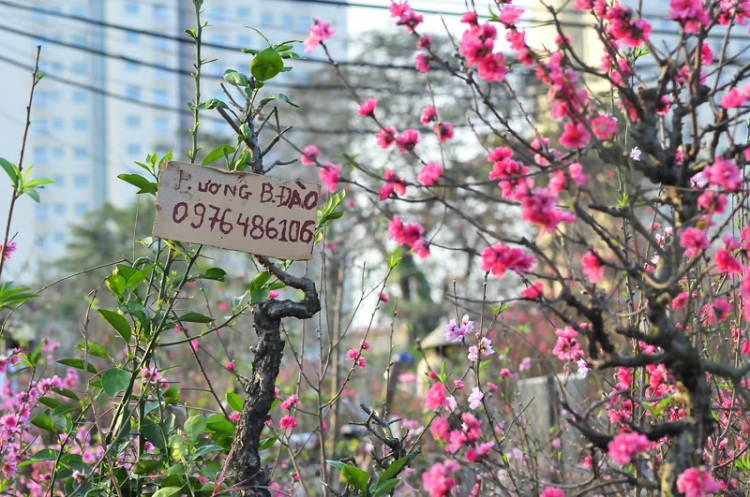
{"x": 134, "y": 149}
{"x": 42, "y": 99}
{"x": 40, "y": 126}
{"x": 131, "y": 8}
{"x": 131, "y": 37}
{"x": 161, "y": 125}
{"x": 41, "y": 241}
{"x": 243, "y": 40}
{"x": 243, "y": 12}
{"x": 161, "y": 97}
{"x": 159, "y": 43}
{"x": 79, "y": 96}
{"x": 218, "y": 14}
{"x": 131, "y": 66}
{"x": 81, "y": 180}
{"x": 266, "y": 19}
{"x": 161, "y": 13}
{"x": 79, "y": 40}
{"x": 38, "y": 17}
{"x": 133, "y": 92}
{"x": 41, "y": 213}
{"x": 219, "y": 40}
{"x": 56, "y": 68}
{"x": 303, "y": 23}
{"x": 58, "y": 153}
{"x": 163, "y": 70}
{"x": 59, "y": 237}
{"x": 287, "y": 21}
{"x": 59, "y": 180}
{"x": 59, "y": 209}
{"x": 133, "y": 121}
{"x": 78, "y": 68}
{"x": 80, "y": 153}
{"x": 80, "y": 124}
{"x": 78, "y": 11}
{"x": 40, "y": 154}
{"x": 81, "y": 208}
{"x": 57, "y": 124}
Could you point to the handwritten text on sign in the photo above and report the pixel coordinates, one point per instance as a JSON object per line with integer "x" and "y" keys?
{"x": 237, "y": 211}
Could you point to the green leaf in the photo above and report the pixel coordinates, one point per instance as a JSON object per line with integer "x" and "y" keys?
{"x": 177, "y": 447}
{"x": 219, "y": 424}
{"x": 235, "y": 401}
{"x": 267, "y": 443}
{"x": 384, "y": 487}
{"x": 260, "y": 295}
{"x": 64, "y": 409}
{"x": 260, "y": 280}
{"x": 172, "y": 395}
{"x": 278, "y": 96}
{"x": 68, "y": 393}
{"x": 78, "y": 364}
{"x": 336, "y": 464}
{"x": 34, "y": 195}
{"x": 116, "y": 284}
{"x": 144, "y": 185}
{"x": 138, "y": 277}
{"x": 215, "y": 273}
{"x": 212, "y": 104}
{"x": 217, "y": 153}
{"x": 206, "y": 449}
{"x": 266, "y": 65}
{"x": 194, "y": 317}
{"x": 34, "y": 357}
{"x": 45, "y": 455}
{"x": 44, "y": 422}
{"x": 146, "y": 466}
{"x": 49, "y": 402}
{"x": 235, "y": 78}
{"x": 10, "y": 170}
{"x": 115, "y": 380}
{"x": 95, "y": 349}
{"x": 194, "y": 427}
{"x": 356, "y": 477}
{"x": 392, "y": 470}
{"x": 167, "y": 492}
{"x": 117, "y": 322}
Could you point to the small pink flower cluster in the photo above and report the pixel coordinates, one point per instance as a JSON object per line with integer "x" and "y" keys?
{"x": 498, "y": 258}
{"x": 477, "y": 45}
{"x": 625, "y": 445}
{"x": 319, "y": 31}
{"x": 409, "y": 234}
{"x": 356, "y": 354}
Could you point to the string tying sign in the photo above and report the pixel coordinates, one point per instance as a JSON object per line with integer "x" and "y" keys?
{"x": 245, "y": 212}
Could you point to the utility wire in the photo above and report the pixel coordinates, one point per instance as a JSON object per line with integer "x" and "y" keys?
{"x": 178, "y": 39}
{"x": 100, "y": 91}
{"x": 183, "y": 72}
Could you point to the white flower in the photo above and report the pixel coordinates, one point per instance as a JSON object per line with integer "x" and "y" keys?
{"x": 583, "y": 368}
{"x": 451, "y": 403}
{"x": 635, "y": 154}
{"x": 486, "y": 347}
{"x": 475, "y": 399}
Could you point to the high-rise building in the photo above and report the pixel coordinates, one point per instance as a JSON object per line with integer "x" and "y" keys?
{"x": 118, "y": 80}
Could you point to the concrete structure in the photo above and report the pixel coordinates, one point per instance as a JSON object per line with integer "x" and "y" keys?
{"x": 108, "y": 113}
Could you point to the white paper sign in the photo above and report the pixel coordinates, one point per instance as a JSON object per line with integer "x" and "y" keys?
{"x": 245, "y": 212}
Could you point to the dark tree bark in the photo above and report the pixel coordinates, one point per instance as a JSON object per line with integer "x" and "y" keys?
{"x": 267, "y": 316}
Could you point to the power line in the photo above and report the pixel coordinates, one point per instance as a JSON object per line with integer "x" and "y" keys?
{"x": 182, "y": 72}
{"x": 178, "y": 39}
{"x": 100, "y": 91}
